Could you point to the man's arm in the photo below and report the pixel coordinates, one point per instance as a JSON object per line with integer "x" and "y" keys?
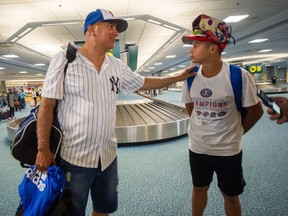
{"x": 160, "y": 82}
{"x": 252, "y": 115}
{"x": 282, "y": 102}
{"x": 44, "y": 157}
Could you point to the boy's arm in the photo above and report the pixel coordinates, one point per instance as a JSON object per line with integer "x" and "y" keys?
{"x": 252, "y": 115}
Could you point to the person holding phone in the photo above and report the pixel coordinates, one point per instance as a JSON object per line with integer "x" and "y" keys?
{"x": 282, "y": 117}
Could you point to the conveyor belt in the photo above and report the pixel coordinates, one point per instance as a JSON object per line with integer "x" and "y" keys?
{"x": 273, "y": 88}
{"x": 140, "y": 120}
{"x": 149, "y": 120}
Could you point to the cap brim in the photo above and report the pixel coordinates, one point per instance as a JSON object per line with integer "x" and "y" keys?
{"x": 122, "y": 24}
{"x": 201, "y": 38}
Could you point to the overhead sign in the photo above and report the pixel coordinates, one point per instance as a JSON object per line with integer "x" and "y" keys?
{"x": 255, "y": 68}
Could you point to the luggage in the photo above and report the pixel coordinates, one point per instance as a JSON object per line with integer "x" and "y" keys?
{"x": 4, "y": 113}
{"x": 24, "y": 146}
{"x": 40, "y": 192}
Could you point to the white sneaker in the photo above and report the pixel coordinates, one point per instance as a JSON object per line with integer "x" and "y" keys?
{"x": 9, "y": 118}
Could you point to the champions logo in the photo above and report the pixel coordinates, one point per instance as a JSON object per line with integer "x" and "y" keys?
{"x": 211, "y": 104}
{"x": 115, "y": 84}
{"x": 206, "y": 93}
{"x": 37, "y": 178}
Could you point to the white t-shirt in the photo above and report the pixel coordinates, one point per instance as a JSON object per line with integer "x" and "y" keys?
{"x": 215, "y": 125}
{"x": 87, "y": 106}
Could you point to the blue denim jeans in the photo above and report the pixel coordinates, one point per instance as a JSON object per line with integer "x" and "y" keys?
{"x": 103, "y": 187}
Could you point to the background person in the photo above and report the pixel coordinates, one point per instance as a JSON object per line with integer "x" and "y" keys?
{"x": 10, "y": 103}
{"x": 22, "y": 97}
{"x": 216, "y": 126}
{"x": 87, "y": 113}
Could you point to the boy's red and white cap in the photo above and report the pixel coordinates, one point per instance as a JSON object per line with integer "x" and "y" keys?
{"x": 209, "y": 29}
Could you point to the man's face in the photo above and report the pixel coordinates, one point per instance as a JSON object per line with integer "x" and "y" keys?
{"x": 105, "y": 34}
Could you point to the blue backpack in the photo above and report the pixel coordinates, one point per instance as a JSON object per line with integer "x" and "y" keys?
{"x": 236, "y": 81}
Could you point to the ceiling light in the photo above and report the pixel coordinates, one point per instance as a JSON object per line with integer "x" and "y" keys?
{"x": 265, "y": 50}
{"x": 171, "y": 27}
{"x": 25, "y": 32}
{"x": 151, "y": 67}
{"x": 39, "y": 64}
{"x": 172, "y": 69}
{"x": 57, "y": 24}
{"x": 39, "y": 74}
{"x": 1, "y": 68}
{"x": 153, "y": 21}
{"x": 182, "y": 66}
{"x": 165, "y": 71}
{"x": 231, "y": 19}
{"x": 158, "y": 63}
{"x": 15, "y": 39}
{"x": 128, "y": 19}
{"x": 23, "y": 72}
{"x": 223, "y": 53}
{"x": 171, "y": 56}
{"x": 187, "y": 45}
{"x": 258, "y": 40}
{"x": 10, "y": 56}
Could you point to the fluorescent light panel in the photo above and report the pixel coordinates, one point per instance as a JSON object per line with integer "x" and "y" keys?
{"x": 10, "y": 56}
{"x": 187, "y": 45}
{"x": 231, "y": 19}
{"x": 39, "y": 64}
{"x": 1, "y": 68}
{"x": 171, "y": 27}
{"x": 25, "y": 32}
{"x": 265, "y": 50}
{"x": 258, "y": 40}
{"x": 171, "y": 56}
{"x": 153, "y": 21}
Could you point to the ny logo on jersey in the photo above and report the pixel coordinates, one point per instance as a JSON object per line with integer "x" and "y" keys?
{"x": 115, "y": 84}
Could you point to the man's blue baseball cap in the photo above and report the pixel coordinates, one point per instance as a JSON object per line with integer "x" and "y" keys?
{"x": 102, "y": 15}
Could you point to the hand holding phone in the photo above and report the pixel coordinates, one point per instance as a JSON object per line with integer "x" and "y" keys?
{"x": 268, "y": 101}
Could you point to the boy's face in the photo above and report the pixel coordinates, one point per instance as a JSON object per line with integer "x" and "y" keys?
{"x": 200, "y": 52}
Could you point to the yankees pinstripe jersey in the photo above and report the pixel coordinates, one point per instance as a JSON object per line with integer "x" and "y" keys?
{"x": 87, "y": 106}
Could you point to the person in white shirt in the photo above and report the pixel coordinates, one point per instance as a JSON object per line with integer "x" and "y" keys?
{"x": 87, "y": 113}
{"x": 216, "y": 126}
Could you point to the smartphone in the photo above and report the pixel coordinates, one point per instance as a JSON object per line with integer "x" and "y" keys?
{"x": 268, "y": 101}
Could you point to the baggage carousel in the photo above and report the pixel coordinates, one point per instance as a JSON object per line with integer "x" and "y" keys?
{"x": 139, "y": 119}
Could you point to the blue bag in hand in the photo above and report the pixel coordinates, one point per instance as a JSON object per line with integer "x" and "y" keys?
{"x": 40, "y": 190}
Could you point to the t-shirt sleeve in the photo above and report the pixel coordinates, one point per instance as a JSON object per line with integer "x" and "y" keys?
{"x": 249, "y": 92}
{"x": 54, "y": 79}
{"x": 185, "y": 94}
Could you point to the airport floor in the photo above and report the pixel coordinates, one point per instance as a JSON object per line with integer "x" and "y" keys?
{"x": 155, "y": 180}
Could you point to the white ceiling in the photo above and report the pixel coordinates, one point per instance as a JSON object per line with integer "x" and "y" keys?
{"x": 46, "y": 26}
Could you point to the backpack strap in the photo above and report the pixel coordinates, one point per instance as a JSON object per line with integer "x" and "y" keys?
{"x": 70, "y": 55}
{"x": 191, "y": 79}
{"x": 236, "y": 81}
